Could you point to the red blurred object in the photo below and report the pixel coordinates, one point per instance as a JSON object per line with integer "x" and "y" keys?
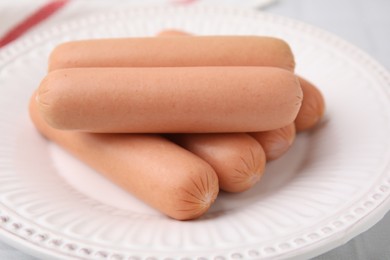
{"x": 32, "y": 20}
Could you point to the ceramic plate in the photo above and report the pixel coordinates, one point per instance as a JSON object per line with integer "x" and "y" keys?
{"x": 333, "y": 184}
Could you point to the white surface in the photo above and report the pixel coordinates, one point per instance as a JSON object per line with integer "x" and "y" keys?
{"x": 366, "y": 24}
{"x": 326, "y": 190}
{"x": 12, "y": 12}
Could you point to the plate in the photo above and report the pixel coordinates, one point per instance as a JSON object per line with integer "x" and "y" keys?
{"x": 332, "y": 185}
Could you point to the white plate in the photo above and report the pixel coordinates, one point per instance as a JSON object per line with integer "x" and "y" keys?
{"x": 332, "y": 185}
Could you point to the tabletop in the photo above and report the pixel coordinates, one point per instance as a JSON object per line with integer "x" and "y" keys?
{"x": 364, "y": 23}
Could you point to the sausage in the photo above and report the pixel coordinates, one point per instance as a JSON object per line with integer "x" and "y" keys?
{"x": 161, "y": 173}
{"x": 169, "y": 100}
{"x": 173, "y": 52}
{"x": 276, "y": 142}
{"x": 237, "y": 158}
{"x": 312, "y": 109}
{"x": 313, "y": 105}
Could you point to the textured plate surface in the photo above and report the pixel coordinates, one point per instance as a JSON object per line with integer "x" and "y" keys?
{"x": 332, "y": 185}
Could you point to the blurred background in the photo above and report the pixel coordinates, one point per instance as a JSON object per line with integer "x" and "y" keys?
{"x": 363, "y": 23}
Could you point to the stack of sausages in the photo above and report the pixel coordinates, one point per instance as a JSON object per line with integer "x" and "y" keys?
{"x": 174, "y": 119}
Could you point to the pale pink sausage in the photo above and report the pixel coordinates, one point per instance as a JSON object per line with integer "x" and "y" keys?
{"x": 276, "y": 142}
{"x": 174, "y": 52}
{"x": 313, "y": 106}
{"x": 238, "y": 159}
{"x": 170, "y": 100}
{"x": 159, "y": 172}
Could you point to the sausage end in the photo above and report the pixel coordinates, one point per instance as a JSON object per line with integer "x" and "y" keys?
{"x": 49, "y": 101}
{"x": 197, "y": 195}
{"x": 312, "y": 109}
{"x": 245, "y": 177}
{"x": 276, "y": 142}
